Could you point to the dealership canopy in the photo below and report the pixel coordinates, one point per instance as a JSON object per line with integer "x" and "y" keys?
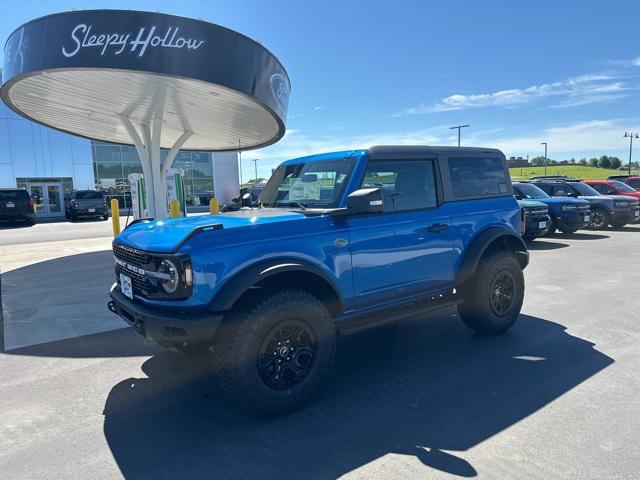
{"x": 146, "y": 79}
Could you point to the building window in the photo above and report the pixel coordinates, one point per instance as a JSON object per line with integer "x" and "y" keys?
{"x": 112, "y": 165}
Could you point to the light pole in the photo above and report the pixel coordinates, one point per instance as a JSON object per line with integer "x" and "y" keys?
{"x": 631, "y": 136}
{"x": 255, "y": 165}
{"x": 545, "y": 157}
{"x": 458, "y": 127}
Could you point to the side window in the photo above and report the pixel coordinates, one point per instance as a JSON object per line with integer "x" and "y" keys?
{"x": 406, "y": 184}
{"x": 477, "y": 176}
{"x": 601, "y": 188}
{"x": 563, "y": 190}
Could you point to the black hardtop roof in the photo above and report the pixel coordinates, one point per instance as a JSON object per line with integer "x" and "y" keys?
{"x": 382, "y": 151}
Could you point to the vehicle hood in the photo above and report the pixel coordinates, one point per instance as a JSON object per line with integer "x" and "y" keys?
{"x": 525, "y": 203}
{"x": 167, "y": 235}
{"x": 606, "y": 198}
{"x": 559, "y": 201}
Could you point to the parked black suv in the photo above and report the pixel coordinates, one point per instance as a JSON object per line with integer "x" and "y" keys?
{"x": 86, "y": 203}
{"x": 16, "y": 205}
{"x": 614, "y": 210}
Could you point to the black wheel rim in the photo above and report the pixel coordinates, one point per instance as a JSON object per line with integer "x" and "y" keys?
{"x": 286, "y": 355}
{"x": 502, "y": 293}
{"x": 597, "y": 219}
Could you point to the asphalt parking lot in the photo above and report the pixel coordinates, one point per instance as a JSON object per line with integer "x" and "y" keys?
{"x": 556, "y": 397}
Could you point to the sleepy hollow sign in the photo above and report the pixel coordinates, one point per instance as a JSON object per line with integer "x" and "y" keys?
{"x": 247, "y": 78}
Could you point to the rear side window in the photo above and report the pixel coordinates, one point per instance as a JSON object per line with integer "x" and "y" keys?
{"x": 406, "y": 184}
{"x": 635, "y": 183}
{"x": 601, "y": 187}
{"x": 477, "y": 176}
{"x": 14, "y": 196}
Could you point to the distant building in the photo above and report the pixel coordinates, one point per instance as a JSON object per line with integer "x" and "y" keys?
{"x": 517, "y": 162}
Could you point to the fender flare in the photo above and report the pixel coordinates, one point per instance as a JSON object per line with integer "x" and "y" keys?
{"x": 238, "y": 284}
{"x": 479, "y": 246}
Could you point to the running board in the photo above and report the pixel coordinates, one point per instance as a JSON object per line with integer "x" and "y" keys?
{"x": 376, "y": 319}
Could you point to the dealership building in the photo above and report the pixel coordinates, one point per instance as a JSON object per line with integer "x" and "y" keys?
{"x": 50, "y": 164}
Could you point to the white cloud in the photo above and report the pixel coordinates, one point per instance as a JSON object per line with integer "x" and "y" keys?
{"x": 589, "y": 137}
{"x": 636, "y": 62}
{"x": 319, "y": 107}
{"x": 581, "y": 90}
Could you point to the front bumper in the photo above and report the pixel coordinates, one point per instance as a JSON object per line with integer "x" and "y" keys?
{"x": 626, "y": 216}
{"x": 533, "y": 228}
{"x": 573, "y": 220}
{"x": 165, "y": 327}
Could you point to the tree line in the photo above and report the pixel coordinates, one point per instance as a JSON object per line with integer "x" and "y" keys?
{"x": 605, "y": 161}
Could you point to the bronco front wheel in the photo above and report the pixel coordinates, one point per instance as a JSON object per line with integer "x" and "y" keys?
{"x": 274, "y": 353}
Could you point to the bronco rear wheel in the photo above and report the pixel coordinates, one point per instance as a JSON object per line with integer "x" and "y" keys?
{"x": 272, "y": 354}
{"x": 493, "y": 297}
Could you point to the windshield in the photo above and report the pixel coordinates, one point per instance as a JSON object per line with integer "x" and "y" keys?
{"x": 88, "y": 194}
{"x": 623, "y": 187}
{"x": 310, "y": 184}
{"x": 526, "y": 190}
{"x": 584, "y": 189}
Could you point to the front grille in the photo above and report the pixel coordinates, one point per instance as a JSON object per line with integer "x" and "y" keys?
{"x": 141, "y": 284}
{"x": 537, "y": 211}
{"x": 131, "y": 255}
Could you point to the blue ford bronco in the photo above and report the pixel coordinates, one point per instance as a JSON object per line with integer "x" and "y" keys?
{"x": 338, "y": 243}
{"x": 566, "y": 214}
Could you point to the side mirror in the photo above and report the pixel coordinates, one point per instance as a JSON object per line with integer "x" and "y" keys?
{"x": 518, "y": 197}
{"x": 246, "y": 200}
{"x": 365, "y": 200}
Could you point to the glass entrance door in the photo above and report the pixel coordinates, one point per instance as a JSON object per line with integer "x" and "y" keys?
{"x": 47, "y": 198}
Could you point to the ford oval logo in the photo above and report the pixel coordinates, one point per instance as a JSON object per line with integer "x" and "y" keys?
{"x": 280, "y": 90}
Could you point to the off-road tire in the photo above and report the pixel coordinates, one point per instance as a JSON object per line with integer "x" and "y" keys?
{"x": 72, "y": 216}
{"x": 569, "y": 230}
{"x": 599, "y": 219}
{"x": 105, "y": 217}
{"x": 478, "y": 310}
{"x": 239, "y": 350}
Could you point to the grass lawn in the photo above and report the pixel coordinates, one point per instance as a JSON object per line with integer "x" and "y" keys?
{"x": 573, "y": 171}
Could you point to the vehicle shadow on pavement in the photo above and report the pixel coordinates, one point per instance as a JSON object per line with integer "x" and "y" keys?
{"x": 544, "y": 245}
{"x": 427, "y": 389}
{"x": 585, "y": 236}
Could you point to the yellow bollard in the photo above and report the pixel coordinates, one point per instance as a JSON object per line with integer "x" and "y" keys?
{"x": 115, "y": 217}
{"x": 214, "y": 206}
{"x": 174, "y": 209}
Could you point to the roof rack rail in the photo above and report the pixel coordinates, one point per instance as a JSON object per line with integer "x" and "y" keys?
{"x": 549, "y": 177}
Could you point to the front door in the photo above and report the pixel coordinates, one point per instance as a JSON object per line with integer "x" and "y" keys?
{"x": 408, "y": 249}
{"x": 47, "y": 198}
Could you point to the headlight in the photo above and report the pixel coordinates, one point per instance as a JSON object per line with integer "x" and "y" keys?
{"x": 170, "y": 280}
{"x": 621, "y": 204}
{"x": 569, "y": 208}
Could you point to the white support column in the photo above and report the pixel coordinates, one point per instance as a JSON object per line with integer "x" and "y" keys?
{"x": 148, "y": 147}
{"x": 143, "y": 153}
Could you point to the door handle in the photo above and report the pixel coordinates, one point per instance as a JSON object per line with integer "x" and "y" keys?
{"x": 438, "y": 227}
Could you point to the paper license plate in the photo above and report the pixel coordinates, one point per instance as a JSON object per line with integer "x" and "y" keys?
{"x": 91, "y": 210}
{"x": 10, "y": 205}
{"x": 125, "y": 286}
{"x": 636, "y": 213}
{"x": 542, "y": 225}
{"x": 587, "y": 218}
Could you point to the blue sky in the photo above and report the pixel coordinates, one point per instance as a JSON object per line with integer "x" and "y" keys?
{"x": 374, "y": 72}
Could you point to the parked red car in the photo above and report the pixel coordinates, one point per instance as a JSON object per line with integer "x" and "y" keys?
{"x": 631, "y": 180}
{"x": 613, "y": 187}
